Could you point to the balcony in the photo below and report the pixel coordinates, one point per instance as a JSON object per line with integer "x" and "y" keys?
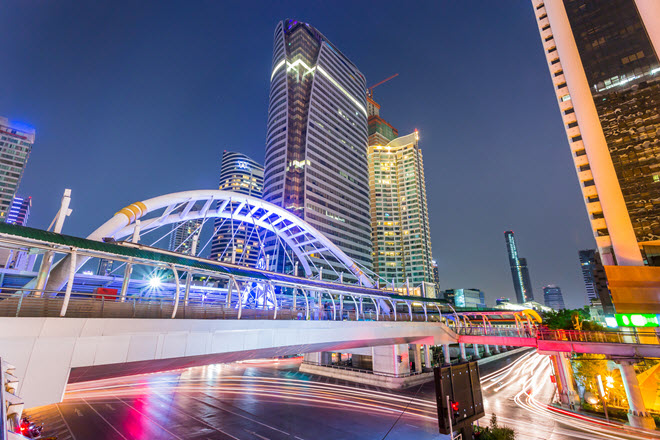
{"x": 583, "y": 176}
{"x": 594, "y": 207}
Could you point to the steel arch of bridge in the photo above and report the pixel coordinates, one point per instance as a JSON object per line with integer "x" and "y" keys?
{"x": 302, "y": 238}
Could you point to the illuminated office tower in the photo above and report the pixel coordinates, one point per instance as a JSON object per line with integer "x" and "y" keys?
{"x": 553, "y": 298}
{"x": 603, "y": 61}
{"x": 183, "y": 236}
{"x": 15, "y": 145}
{"x": 519, "y": 270}
{"x": 316, "y": 144}
{"x": 240, "y": 174}
{"x": 399, "y": 213}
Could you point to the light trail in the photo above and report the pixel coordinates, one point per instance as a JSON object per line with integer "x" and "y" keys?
{"x": 532, "y": 377}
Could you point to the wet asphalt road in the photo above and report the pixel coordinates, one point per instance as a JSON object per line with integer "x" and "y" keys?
{"x": 272, "y": 400}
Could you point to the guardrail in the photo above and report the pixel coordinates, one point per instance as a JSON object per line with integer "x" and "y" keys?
{"x": 19, "y": 303}
{"x": 605, "y": 337}
{"x": 361, "y": 370}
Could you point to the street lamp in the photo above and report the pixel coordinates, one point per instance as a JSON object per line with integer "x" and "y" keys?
{"x": 602, "y": 394}
{"x": 155, "y": 282}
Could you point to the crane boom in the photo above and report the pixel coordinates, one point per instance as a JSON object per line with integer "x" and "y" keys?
{"x": 371, "y": 89}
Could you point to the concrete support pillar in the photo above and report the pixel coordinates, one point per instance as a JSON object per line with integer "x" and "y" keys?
{"x": 461, "y": 347}
{"x": 564, "y": 378}
{"x": 486, "y": 350}
{"x": 637, "y": 414}
{"x": 417, "y": 357}
{"x": 393, "y": 359}
{"x": 445, "y": 354}
{"x": 318, "y": 358}
{"x": 428, "y": 365}
{"x": 504, "y": 349}
{"x": 475, "y": 351}
{"x": 496, "y": 349}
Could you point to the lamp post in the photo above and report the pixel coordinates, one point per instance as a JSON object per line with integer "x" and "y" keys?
{"x": 602, "y": 396}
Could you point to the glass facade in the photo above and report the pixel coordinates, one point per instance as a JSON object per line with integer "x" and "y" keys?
{"x": 553, "y": 298}
{"x": 399, "y": 213}
{"x": 316, "y": 142}
{"x": 15, "y": 146}
{"x": 183, "y": 235}
{"x": 519, "y": 271}
{"x": 588, "y": 265}
{"x": 624, "y": 74}
{"x": 243, "y": 175}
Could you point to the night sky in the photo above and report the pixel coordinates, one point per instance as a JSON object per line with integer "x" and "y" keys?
{"x": 132, "y": 100}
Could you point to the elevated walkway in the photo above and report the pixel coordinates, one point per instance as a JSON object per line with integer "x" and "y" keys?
{"x": 610, "y": 343}
{"x": 49, "y": 352}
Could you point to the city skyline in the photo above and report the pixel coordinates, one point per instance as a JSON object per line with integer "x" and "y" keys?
{"x": 449, "y": 254}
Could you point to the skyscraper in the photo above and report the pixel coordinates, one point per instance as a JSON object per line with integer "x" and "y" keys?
{"x": 15, "y": 145}
{"x": 588, "y": 265}
{"x": 18, "y": 214}
{"x": 316, "y": 145}
{"x": 603, "y": 61}
{"x": 519, "y": 270}
{"x": 19, "y": 211}
{"x": 399, "y": 214}
{"x": 183, "y": 236}
{"x": 240, "y": 174}
{"x": 553, "y": 298}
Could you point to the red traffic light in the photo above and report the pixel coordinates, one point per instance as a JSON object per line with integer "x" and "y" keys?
{"x": 454, "y": 406}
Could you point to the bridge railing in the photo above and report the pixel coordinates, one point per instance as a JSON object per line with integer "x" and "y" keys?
{"x": 611, "y": 337}
{"x": 20, "y": 303}
{"x": 496, "y": 331}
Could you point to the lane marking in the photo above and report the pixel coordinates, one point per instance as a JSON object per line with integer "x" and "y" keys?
{"x": 149, "y": 418}
{"x": 105, "y": 420}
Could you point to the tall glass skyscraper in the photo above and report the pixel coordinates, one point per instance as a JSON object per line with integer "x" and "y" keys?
{"x": 243, "y": 175}
{"x": 316, "y": 145}
{"x": 553, "y": 298}
{"x": 15, "y": 146}
{"x": 604, "y": 65}
{"x": 588, "y": 266}
{"x": 519, "y": 271}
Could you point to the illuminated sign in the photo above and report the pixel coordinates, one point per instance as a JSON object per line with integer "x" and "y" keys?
{"x": 243, "y": 165}
{"x": 637, "y": 320}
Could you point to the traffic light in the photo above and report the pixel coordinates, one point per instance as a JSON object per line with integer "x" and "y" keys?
{"x": 454, "y": 408}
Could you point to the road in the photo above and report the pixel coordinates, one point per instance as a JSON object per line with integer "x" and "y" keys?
{"x": 270, "y": 399}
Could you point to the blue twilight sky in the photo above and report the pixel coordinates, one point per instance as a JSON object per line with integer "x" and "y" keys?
{"x": 132, "y": 100}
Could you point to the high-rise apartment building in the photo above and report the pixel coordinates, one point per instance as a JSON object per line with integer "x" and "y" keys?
{"x": 239, "y": 243}
{"x": 588, "y": 265}
{"x": 604, "y": 65}
{"x": 553, "y": 298}
{"x": 316, "y": 145}
{"x": 15, "y": 145}
{"x": 399, "y": 214}
{"x": 184, "y": 235}
{"x": 519, "y": 270}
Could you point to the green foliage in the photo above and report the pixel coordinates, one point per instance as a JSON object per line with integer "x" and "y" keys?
{"x": 586, "y": 369}
{"x": 564, "y": 319}
{"x": 495, "y": 432}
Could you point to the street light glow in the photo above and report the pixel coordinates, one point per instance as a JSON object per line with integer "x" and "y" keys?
{"x": 155, "y": 282}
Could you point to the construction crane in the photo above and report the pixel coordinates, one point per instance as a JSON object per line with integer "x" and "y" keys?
{"x": 370, "y": 90}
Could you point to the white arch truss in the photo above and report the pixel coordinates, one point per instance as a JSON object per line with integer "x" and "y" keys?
{"x": 303, "y": 239}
